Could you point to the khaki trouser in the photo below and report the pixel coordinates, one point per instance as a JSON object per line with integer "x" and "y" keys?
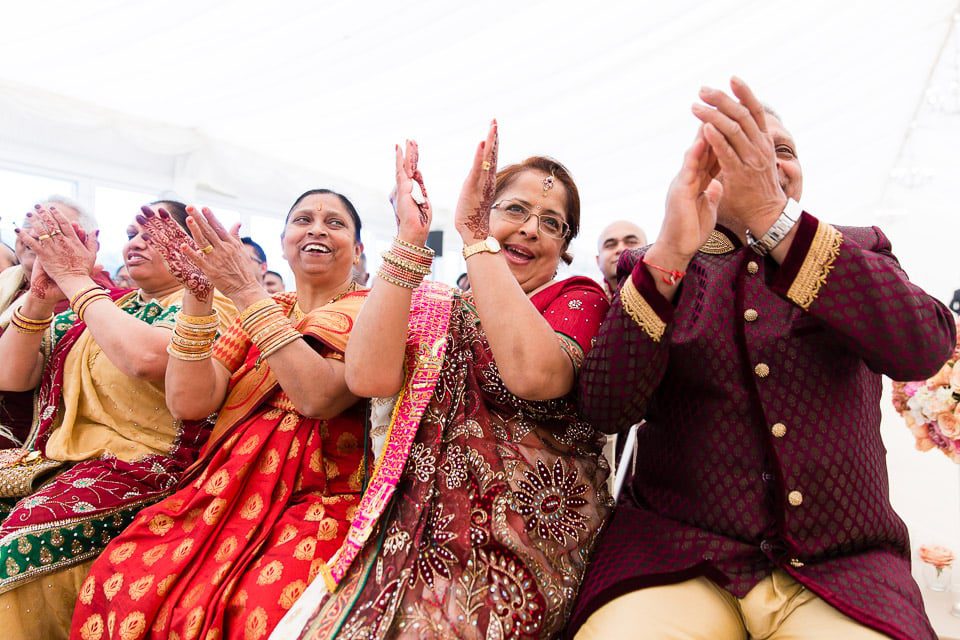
{"x": 778, "y": 608}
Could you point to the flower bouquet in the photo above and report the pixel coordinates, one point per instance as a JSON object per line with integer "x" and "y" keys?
{"x": 930, "y": 409}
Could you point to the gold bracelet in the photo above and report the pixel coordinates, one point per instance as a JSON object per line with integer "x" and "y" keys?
{"x": 188, "y": 357}
{"x": 256, "y": 306}
{"x": 90, "y": 300}
{"x": 18, "y": 314}
{"x": 423, "y": 251}
{"x": 406, "y": 265}
{"x": 26, "y": 325}
{"x": 395, "y": 281}
{"x": 84, "y": 292}
{"x": 185, "y": 342}
{"x": 280, "y": 344}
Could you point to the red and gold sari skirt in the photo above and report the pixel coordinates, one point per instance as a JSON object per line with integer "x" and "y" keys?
{"x": 227, "y": 555}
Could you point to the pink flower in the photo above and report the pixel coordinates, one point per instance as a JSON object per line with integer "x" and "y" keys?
{"x": 936, "y": 555}
{"x": 948, "y": 425}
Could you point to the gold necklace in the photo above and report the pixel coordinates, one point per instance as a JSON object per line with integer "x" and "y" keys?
{"x": 299, "y": 314}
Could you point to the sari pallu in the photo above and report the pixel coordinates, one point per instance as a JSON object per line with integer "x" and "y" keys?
{"x": 501, "y": 499}
{"x": 71, "y": 518}
{"x": 256, "y": 518}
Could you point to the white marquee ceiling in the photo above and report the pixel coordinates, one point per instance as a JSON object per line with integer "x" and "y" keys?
{"x": 604, "y": 87}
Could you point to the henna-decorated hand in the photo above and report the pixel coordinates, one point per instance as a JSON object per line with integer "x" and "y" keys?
{"x": 42, "y": 285}
{"x": 410, "y": 201}
{"x": 472, "y": 217}
{"x": 167, "y": 237}
{"x": 222, "y": 257}
{"x": 63, "y": 247}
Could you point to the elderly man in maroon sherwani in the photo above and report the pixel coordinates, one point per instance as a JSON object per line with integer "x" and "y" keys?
{"x": 751, "y": 338}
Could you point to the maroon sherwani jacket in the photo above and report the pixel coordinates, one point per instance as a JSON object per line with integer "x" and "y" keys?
{"x": 760, "y": 387}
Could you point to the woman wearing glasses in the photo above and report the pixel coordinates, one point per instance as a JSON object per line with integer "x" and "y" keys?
{"x": 487, "y": 530}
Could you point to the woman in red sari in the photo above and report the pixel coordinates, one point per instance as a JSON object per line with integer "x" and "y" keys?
{"x": 270, "y": 499}
{"x": 503, "y": 490}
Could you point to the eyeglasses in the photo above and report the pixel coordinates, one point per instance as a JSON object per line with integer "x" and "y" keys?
{"x": 518, "y": 213}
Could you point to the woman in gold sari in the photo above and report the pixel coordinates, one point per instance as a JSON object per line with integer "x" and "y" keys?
{"x": 103, "y": 423}
{"x": 270, "y": 500}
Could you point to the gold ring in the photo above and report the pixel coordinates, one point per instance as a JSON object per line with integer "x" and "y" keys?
{"x": 485, "y": 166}
{"x": 55, "y": 232}
{"x": 207, "y": 249}
{"x": 45, "y": 236}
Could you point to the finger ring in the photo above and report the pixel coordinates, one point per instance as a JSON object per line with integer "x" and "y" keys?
{"x": 55, "y": 232}
{"x": 207, "y": 249}
{"x": 485, "y": 166}
{"x": 45, "y": 236}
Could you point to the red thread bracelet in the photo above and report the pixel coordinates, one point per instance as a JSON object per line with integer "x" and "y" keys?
{"x": 672, "y": 277}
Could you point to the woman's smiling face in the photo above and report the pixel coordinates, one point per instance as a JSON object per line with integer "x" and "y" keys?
{"x": 533, "y": 256}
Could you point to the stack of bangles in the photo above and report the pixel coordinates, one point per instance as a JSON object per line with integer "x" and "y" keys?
{"x": 83, "y": 299}
{"x": 193, "y": 336}
{"x": 24, "y": 324}
{"x": 405, "y": 264}
{"x": 268, "y": 326}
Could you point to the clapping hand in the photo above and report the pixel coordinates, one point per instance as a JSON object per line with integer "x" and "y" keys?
{"x": 168, "y": 238}
{"x": 472, "y": 218}
{"x": 692, "y": 202}
{"x": 736, "y": 131}
{"x": 63, "y": 250}
{"x": 410, "y": 200}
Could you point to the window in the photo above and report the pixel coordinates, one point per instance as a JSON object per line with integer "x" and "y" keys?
{"x": 20, "y": 191}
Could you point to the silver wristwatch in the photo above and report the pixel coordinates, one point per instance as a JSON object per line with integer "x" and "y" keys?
{"x": 778, "y": 231}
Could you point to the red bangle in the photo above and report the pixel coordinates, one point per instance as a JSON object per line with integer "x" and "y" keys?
{"x": 671, "y": 276}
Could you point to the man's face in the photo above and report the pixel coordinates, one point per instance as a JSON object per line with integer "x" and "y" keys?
{"x": 272, "y": 283}
{"x": 261, "y": 267}
{"x": 614, "y": 240}
{"x": 788, "y": 162}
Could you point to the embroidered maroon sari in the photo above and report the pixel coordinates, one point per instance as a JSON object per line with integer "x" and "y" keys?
{"x": 501, "y": 501}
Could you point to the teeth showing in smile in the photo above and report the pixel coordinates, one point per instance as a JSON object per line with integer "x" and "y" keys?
{"x": 520, "y": 253}
{"x": 314, "y": 247}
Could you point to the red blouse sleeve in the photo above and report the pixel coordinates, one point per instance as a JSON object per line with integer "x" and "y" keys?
{"x": 577, "y": 310}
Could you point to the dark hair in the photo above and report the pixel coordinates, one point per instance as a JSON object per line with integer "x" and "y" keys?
{"x": 551, "y": 167}
{"x": 274, "y": 273}
{"x": 257, "y": 249}
{"x": 177, "y": 211}
{"x": 346, "y": 203}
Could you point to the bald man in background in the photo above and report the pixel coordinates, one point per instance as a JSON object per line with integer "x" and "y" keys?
{"x": 616, "y": 238}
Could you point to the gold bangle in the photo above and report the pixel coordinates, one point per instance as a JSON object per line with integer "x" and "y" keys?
{"x": 406, "y": 265}
{"x": 280, "y": 344}
{"x": 395, "y": 281}
{"x": 416, "y": 258}
{"x": 188, "y": 357}
{"x": 17, "y": 314}
{"x": 424, "y": 251}
{"x": 199, "y": 322}
{"x": 84, "y": 292}
{"x": 90, "y": 300}
{"x": 256, "y": 306}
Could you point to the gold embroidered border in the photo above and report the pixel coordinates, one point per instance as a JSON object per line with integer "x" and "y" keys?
{"x": 717, "y": 244}
{"x": 572, "y": 349}
{"x": 641, "y": 312}
{"x": 816, "y": 265}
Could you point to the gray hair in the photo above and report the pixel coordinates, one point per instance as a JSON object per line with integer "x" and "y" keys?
{"x": 768, "y": 109}
{"x": 85, "y": 219}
